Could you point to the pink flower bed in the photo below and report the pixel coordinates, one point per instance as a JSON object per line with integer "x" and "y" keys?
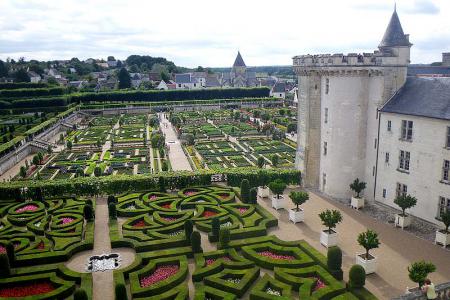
{"x": 153, "y": 197}
{"x": 40, "y": 246}
{"x": 29, "y": 207}
{"x": 169, "y": 219}
{"x": 160, "y": 273}
{"x": 26, "y": 289}
{"x": 2, "y": 249}
{"x": 210, "y": 261}
{"x": 139, "y": 223}
{"x": 272, "y": 255}
{"x": 242, "y": 210}
{"x": 67, "y": 220}
{"x": 190, "y": 193}
{"x": 208, "y": 214}
{"x": 319, "y": 284}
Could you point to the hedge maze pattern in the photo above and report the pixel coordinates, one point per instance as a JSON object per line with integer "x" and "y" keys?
{"x": 44, "y": 234}
{"x": 252, "y": 265}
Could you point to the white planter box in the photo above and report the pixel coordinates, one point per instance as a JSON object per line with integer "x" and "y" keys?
{"x": 442, "y": 238}
{"x": 402, "y": 221}
{"x": 357, "y": 203}
{"x": 263, "y": 192}
{"x": 328, "y": 239}
{"x": 370, "y": 266}
{"x": 296, "y": 216}
{"x": 278, "y": 203}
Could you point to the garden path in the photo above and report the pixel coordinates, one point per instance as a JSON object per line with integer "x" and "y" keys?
{"x": 398, "y": 249}
{"x": 178, "y": 159}
{"x": 8, "y": 175}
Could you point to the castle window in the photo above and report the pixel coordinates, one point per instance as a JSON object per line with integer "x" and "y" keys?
{"x": 375, "y": 144}
{"x": 324, "y": 180}
{"x": 389, "y": 125}
{"x": 325, "y": 148}
{"x": 315, "y": 87}
{"x": 448, "y": 138}
{"x": 384, "y": 193}
{"x": 407, "y": 130}
{"x": 327, "y": 86}
{"x": 445, "y": 170}
{"x": 326, "y": 115}
{"x": 386, "y": 160}
{"x": 401, "y": 190}
{"x": 404, "y": 160}
{"x": 443, "y": 206}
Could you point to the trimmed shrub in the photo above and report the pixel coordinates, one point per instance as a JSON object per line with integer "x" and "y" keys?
{"x": 162, "y": 184}
{"x": 215, "y": 226}
{"x": 253, "y": 195}
{"x": 88, "y": 212}
{"x": 111, "y": 199}
{"x": 80, "y": 294}
{"x": 11, "y": 252}
{"x": 245, "y": 191}
{"x": 121, "y": 292}
{"x": 334, "y": 262}
{"x": 196, "y": 242}
{"x": 419, "y": 270}
{"x": 357, "y": 276}
{"x": 112, "y": 211}
{"x": 188, "y": 228}
{"x": 224, "y": 238}
{"x": 89, "y": 202}
{"x": 5, "y": 268}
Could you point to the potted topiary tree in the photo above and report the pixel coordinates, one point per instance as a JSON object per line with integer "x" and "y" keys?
{"x": 298, "y": 198}
{"x": 443, "y": 236}
{"x": 368, "y": 240}
{"x": 263, "y": 191}
{"x": 419, "y": 270}
{"x": 404, "y": 202}
{"x": 330, "y": 218}
{"x": 277, "y": 187}
{"x": 357, "y": 186}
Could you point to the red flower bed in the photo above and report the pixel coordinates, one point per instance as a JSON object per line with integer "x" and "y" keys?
{"x": 160, "y": 273}
{"x": 210, "y": 261}
{"x": 26, "y": 289}
{"x": 242, "y": 210}
{"x": 67, "y": 220}
{"x": 139, "y": 223}
{"x": 40, "y": 246}
{"x": 2, "y": 249}
{"x": 208, "y": 213}
{"x": 166, "y": 206}
{"x": 29, "y": 207}
{"x": 224, "y": 196}
{"x": 272, "y": 255}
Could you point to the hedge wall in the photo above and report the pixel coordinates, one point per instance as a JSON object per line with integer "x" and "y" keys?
{"x": 22, "y": 85}
{"x": 18, "y": 93}
{"x": 171, "y": 95}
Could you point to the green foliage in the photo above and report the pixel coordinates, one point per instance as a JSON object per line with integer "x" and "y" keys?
{"x": 245, "y": 191}
{"x": 188, "y": 229}
{"x": 124, "y": 79}
{"x": 196, "y": 242}
{"x": 261, "y": 162}
{"x": 112, "y": 199}
{"x": 5, "y": 269}
{"x": 97, "y": 171}
{"x": 445, "y": 218}
{"x": 215, "y": 226}
{"x": 157, "y": 140}
{"x": 253, "y": 195}
{"x": 80, "y": 294}
{"x": 334, "y": 261}
{"x": 277, "y": 187}
{"x": 112, "y": 211}
{"x": 405, "y": 202}
{"x": 224, "y": 238}
{"x": 357, "y": 186}
{"x": 330, "y": 218}
{"x": 23, "y": 172}
{"x": 275, "y": 159}
{"x": 298, "y": 198}
{"x": 162, "y": 184}
{"x": 357, "y": 276}
{"x": 10, "y": 252}
{"x": 121, "y": 292}
{"x": 368, "y": 240}
{"x": 419, "y": 270}
{"x": 88, "y": 212}
{"x": 69, "y": 145}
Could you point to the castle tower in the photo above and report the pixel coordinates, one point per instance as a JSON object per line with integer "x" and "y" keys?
{"x": 238, "y": 72}
{"x": 337, "y": 111}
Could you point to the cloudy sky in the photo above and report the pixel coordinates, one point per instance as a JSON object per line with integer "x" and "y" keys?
{"x": 209, "y": 32}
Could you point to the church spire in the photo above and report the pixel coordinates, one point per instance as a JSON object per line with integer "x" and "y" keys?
{"x": 239, "y": 62}
{"x": 394, "y": 36}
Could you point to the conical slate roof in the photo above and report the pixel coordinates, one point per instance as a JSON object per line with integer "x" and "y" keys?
{"x": 239, "y": 62}
{"x": 394, "y": 35}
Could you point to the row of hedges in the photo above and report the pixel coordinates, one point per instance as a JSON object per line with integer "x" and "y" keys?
{"x": 123, "y": 183}
{"x": 27, "y": 92}
{"x": 171, "y": 95}
{"x": 34, "y": 102}
{"x": 22, "y": 85}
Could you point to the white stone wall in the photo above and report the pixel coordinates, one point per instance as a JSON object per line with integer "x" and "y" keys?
{"x": 427, "y": 155}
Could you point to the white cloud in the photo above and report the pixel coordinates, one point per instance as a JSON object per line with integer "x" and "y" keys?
{"x": 208, "y": 33}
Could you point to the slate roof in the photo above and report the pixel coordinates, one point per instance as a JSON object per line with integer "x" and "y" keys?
{"x": 279, "y": 87}
{"x": 419, "y": 70}
{"x": 425, "y": 97}
{"x": 394, "y": 35}
{"x": 239, "y": 62}
{"x": 183, "y": 78}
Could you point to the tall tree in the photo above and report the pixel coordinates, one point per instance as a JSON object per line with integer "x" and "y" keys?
{"x": 22, "y": 76}
{"x": 124, "y": 79}
{"x": 3, "y": 69}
